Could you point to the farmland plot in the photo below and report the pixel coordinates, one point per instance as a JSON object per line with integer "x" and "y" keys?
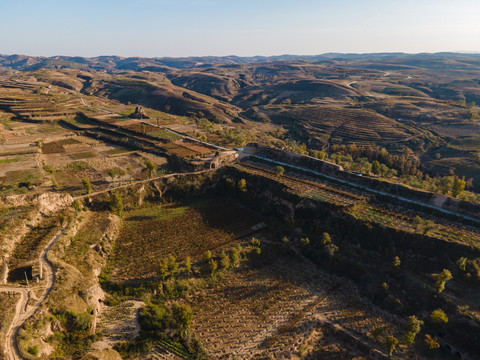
{"x": 279, "y": 309}
{"x": 156, "y": 231}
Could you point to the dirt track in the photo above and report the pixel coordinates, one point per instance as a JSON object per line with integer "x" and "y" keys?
{"x": 23, "y": 311}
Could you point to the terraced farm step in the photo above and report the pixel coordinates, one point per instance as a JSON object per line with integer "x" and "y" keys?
{"x": 167, "y": 350}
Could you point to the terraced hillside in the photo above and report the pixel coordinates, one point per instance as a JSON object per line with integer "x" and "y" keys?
{"x": 162, "y": 235}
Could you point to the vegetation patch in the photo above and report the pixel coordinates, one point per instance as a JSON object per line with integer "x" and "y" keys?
{"x": 8, "y": 161}
{"x": 83, "y": 155}
{"x": 164, "y": 134}
{"x": 185, "y": 229}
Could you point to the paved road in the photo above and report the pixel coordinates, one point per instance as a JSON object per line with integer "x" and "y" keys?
{"x": 364, "y": 188}
{"x": 23, "y": 311}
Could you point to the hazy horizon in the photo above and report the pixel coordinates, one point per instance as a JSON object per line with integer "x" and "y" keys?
{"x": 168, "y": 28}
{"x": 246, "y": 56}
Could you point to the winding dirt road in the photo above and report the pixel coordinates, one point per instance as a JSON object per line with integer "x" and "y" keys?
{"x": 23, "y": 310}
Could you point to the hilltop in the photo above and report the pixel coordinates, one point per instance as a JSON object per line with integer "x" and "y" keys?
{"x": 422, "y": 102}
{"x": 284, "y": 207}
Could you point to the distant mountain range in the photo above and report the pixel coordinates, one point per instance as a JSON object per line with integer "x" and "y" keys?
{"x": 113, "y": 63}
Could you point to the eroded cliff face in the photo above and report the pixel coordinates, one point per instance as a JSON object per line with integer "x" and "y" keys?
{"x": 40, "y": 207}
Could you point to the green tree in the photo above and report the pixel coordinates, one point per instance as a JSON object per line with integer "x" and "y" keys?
{"x": 384, "y": 170}
{"x": 376, "y": 169}
{"x": 87, "y": 185}
{"x": 446, "y": 184}
{"x": 182, "y": 315}
{"x": 188, "y": 264}
{"x": 202, "y": 137}
{"x": 83, "y": 321}
{"x": 413, "y": 328}
{"x": 429, "y": 226}
{"x": 77, "y": 206}
{"x": 61, "y": 219}
{"x": 208, "y": 255}
{"x": 391, "y": 343}
{"x": 458, "y": 187}
{"x": 224, "y": 261}
{"x": 255, "y": 242}
{"x": 438, "y": 317}
{"x": 162, "y": 270}
{"x": 279, "y": 170}
{"x": 462, "y": 263}
{"x": 326, "y": 239}
{"x": 212, "y": 266}
{"x": 121, "y": 172}
{"x": 424, "y": 226}
{"x": 150, "y": 168}
{"x": 116, "y": 204}
{"x": 396, "y": 263}
{"x": 242, "y": 185}
{"x": 112, "y": 173}
{"x": 441, "y": 279}
{"x": 234, "y": 257}
{"x": 172, "y": 265}
{"x": 418, "y": 224}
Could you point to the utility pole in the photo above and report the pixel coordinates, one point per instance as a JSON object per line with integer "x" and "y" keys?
{"x": 41, "y": 266}
{"x": 5, "y": 270}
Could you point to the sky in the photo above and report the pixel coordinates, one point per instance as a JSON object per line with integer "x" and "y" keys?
{"x": 178, "y": 28}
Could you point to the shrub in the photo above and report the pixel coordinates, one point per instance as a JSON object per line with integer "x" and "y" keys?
{"x": 182, "y": 316}
{"x": 279, "y": 170}
{"x": 391, "y": 343}
{"x": 305, "y": 241}
{"x": 208, "y": 255}
{"x": 441, "y": 279}
{"x": 396, "y": 262}
{"x": 87, "y": 185}
{"x": 83, "y": 321}
{"x": 242, "y": 185}
{"x": 33, "y": 350}
{"x": 438, "y": 317}
{"x": 48, "y": 169}
{"x": 150, "y": 168}
{"x": 376, "y": 331}
{"x": 255, "y": 242}
{"x": 326, "y": 239}
{"x": 234, "y": 257}
{"x": 413, "y": 328}
{"x": 462, "y": 263}
{"x": 431, "y": 343}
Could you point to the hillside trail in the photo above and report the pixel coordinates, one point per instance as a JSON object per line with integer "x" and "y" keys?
{"x": 23, "y": 310}
{"x": 142, "y": 182}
